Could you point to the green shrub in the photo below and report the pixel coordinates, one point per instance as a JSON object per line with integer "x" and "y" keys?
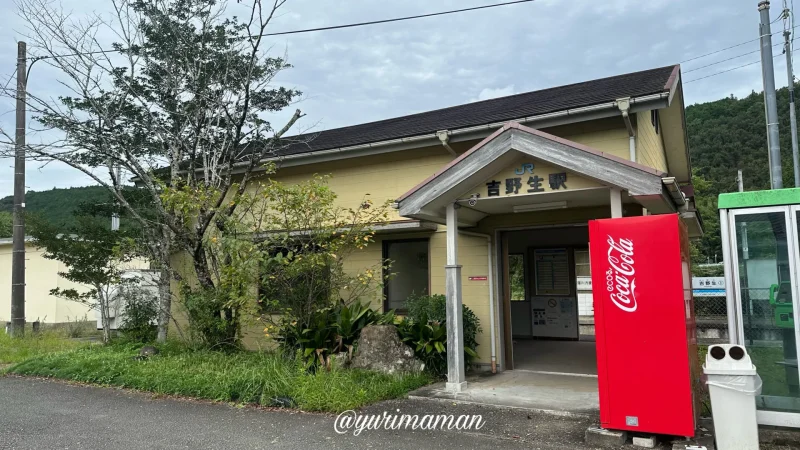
{"x": 426, "y": 309}
{"x": 429, "y": 341}
{"x": 207, "y": 326}
{"x": 301, "y": 282}
{"x": 140, "y": 313}
{"x": 327, "y": 331}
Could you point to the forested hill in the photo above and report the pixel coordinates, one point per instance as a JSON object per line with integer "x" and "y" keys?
{"x": 727, "y": 135}
{"x": 56, "y": 205}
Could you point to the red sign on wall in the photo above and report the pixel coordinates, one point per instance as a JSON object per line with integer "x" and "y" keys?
{"x": 478, "y": 278}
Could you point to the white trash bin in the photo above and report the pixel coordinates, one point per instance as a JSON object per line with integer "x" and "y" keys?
{"x": 733, "y": 384}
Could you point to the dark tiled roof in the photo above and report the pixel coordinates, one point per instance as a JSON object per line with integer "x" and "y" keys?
{"x": 501, "y": 109}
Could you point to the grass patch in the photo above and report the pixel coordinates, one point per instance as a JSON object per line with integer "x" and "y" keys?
{"x": 773, "y": 375}
{"x": 242, "y": 377}
{"x": 16, "y": 350}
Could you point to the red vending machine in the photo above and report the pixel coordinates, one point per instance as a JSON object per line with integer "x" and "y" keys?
{"x": 647, "y": 358}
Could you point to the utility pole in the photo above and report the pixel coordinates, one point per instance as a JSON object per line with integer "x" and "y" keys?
{"x": 792, "y": 114}
{"x": 787, "y": 49}
{"x": 18, "y": 236}
{"x": 770, "y": 101}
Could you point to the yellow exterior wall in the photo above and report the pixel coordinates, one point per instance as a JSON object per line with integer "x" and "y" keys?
{"x": 607, "y": 135}
{"x": 359, "y": 262}
{"x": 473, "y": 258}
{"x": 649, "y": 145}
{"x": 41, "y": 276}
{"x": 181, "y": 263}
{"x": 387, "y": 176}
{"x": 383, "y": 177}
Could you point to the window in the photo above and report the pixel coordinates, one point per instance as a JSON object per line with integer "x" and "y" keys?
{"x": 408, "y": 271}
{"x": 583, "y": 282}
{"x": 516, "y": 275}
{"x": 583, "y": 271}
{"x": 654, "y": 119}
{"x": 582, "y": 268}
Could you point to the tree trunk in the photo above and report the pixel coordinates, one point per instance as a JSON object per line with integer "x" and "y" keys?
{"x": 201, "y": 268}
{"x": 232, "y": 328}
{"x": 164, "y": 303}
{"x": 164, "y": 251}
{"x": 102, "y": 294}
{"x": 106, "y": 329}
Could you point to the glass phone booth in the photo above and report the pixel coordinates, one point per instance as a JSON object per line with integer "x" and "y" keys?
{"x": 761, "y": 251}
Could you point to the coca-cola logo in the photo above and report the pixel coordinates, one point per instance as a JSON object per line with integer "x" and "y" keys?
{"x": 620, "y": 276}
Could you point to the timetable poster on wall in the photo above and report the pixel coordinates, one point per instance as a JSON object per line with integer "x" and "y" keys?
{"x": 551, "y": 271}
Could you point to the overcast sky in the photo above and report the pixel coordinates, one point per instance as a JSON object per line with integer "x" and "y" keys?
{"x": 375, "y": 72}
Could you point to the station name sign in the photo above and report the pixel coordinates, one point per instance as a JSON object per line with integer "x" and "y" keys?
{"x": 526, "y": 179}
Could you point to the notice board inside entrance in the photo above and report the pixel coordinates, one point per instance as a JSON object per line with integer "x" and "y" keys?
{"x": 554, "y": 308}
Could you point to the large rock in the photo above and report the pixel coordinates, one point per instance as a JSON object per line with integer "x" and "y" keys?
{"x": 380, "y": 349}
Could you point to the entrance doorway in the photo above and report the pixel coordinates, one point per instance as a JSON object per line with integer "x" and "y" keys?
{"x": 548, "y": 301}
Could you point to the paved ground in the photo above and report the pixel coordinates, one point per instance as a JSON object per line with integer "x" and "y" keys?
{"x": 40, "y": 414}
{"x": 555, "y": 356}
{"x": 45, "y": 414}
{"x": 524, "y": 389}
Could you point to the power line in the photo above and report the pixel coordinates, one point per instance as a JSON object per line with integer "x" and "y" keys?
{"x": 720, "y": 73}
{"x": 374, "y": 22}
{"x": 333, "y": 27}
{"x": 721, "y": 50}
{"x": 728, "y": 48}
{"x": 726, "y": 60}
{"x": 731, "y": 69}
{"x": 731, "y": 58}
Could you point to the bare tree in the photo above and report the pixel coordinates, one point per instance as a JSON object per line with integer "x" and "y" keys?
{"x": 180, "y": 102}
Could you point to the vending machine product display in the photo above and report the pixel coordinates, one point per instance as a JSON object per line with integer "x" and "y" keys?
{"x": 647, "y": 358}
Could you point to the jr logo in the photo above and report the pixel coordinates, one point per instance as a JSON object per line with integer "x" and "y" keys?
{"x": 621, "y": 274}
{"x": 527, "y": 167}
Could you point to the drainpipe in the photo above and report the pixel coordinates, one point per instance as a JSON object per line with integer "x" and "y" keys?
{"x": 444, "y": 137}
{"x": 624, "y": 105}
{"x": 491, "y": 294}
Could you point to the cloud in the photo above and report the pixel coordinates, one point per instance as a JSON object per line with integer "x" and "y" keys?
{"x": 487, "y": 93}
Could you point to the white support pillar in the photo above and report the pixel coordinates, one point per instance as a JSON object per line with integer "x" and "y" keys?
{"x": 456, "y": 380}
{"x": 616, "y": 203}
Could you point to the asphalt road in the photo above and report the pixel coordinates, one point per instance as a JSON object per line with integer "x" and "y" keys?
{"x": 39, "y": 414}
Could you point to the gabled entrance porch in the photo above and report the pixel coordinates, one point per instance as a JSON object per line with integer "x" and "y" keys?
{"x": 533, "y": 184}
